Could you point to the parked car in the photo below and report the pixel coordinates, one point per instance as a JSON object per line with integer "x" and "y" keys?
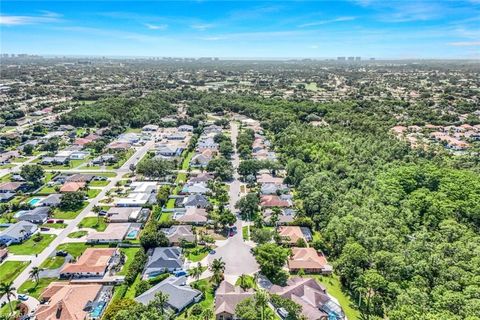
{"x": 50, "y": 221}
{"x": 61, "y": 253}
{"x": 22, "y": 297}
{"x": 59, "y": 221}
{"x": 282, "y": 313}
{"x": 180, "y": 273}
{"x": 44, "y": 229}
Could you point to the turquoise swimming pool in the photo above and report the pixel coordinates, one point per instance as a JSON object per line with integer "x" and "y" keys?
{"x": 34, "y": 201}
{"x": 97, "y": 311}
{"x": 132, "y": 234}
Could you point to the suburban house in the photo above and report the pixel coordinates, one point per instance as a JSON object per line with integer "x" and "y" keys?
{"x": 12, "y": 187}
{"x": 195, "y": 188}
{"x": 269, "y": 201}
{"x": 175, "y": 234}
{"x": 196, "y": 201}
{"x": 287, "y": 215}
{"x": 227, "y": 296}
{"x": 38, "y": 215}
{"x": 267, "y": 178}
{"x": 201, "y": 177}
{"x": 66, "y": 301}
{"x": 163, "y": 259}
{"x": 180, "y": 295}
{"x": 122, "y": 214}
{"x": 192, "y": 215}
{"x": 312, "y": 297}
{"x": 17, "y": 233}
{"x": 115, "y": 232}
{"x": 94, "y": 262}
{"x": 291, "y": 234}
{"x": 79, "y": 177}
{"x": 309, "y": 260}
{"x": 185, "y": 128}
{"x": 7, "y": 196}
{"x": 142, "y": 193}
{"x": 72, "y": 187}
{"x": 51, "y": 200}
{"x": 150, "y": 128}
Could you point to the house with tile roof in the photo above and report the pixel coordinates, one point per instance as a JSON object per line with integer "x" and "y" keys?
{"x": 309, "y": 260}
{"x": 94, "y": 262}
{"x": 227, "y": 296}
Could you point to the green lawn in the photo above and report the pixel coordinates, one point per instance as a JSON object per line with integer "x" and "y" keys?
{"x": 47, "y": 190}
{"x": 332, "y": 283}
{"x": 133, "y": 130}
{"x": 181, "y": 177}
{"x": 9, "y": 270}
{"x": 76, "y": 249}
{"x": 196, "y": 254}
{"x": 166, "y": 216}
{"x": 77, "y": 234}
{"x": 93, "y": 223}
{"x": 170, "y": 204}
{"x": 5, "y": 310}
{"x": 61, "y": 214}
{"x": 186, "y": 161}
{"x": 129, "y": 254}
{"x": 245, "y": 233}
{"x": 53, "y": 263}
{"x": 92, "y": 193}
{"x": 99, "y": 183}
{"x": 33, "y": 289}
{"x": 30, "y": 246}
{"x": 54, "y": 225}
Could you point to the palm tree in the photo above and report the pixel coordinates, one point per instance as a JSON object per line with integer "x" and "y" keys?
{"x": 96, "y": 209}
{"x": 8, "y": 290}
{"x": 217, "y": 267}
{"x": 34, "y": 274}
{"x": 261, "y": 302}
{"x": 243, "y": 282}
{"x": 196, "y": 272}
{"x": 207, "y": 314}
{"x": 159, "y": 301}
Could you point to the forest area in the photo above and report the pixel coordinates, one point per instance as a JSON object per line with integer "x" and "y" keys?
{"x": 400, "y": 224}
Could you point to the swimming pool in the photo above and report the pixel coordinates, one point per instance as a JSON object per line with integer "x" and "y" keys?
{"x": 34, "y": 201}
{"x": 97, "y": 311}
{"x": 132, "y": 234}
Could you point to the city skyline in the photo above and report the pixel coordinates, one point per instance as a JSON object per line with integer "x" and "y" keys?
{"x": 397, "y": 30}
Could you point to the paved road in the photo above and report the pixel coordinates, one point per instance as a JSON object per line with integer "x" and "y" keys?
{"x": 234, "y": 251}
{"x": 72, "y": 224}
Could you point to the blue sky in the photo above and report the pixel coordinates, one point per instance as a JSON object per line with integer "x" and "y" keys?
{"x": 316, "y": 29}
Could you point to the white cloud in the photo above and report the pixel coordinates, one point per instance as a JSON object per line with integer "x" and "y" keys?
{"x": 201, "y": 26}
{"x": 465, "y": 44}
{"x": 322, "y": 22}
{"x": 46, "y": 17}
{"x": 156, "y": 26}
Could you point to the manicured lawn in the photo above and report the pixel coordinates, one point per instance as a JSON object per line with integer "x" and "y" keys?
{"x": 196, "y": 254}
{"x": 5, "y": 310}
{"x": 53, "y": 263}
{"x": 6, "y": 178}
{"x": 94, "y": 223}
{"x": 60, "y": 214}
{"x": 181, "y": 177}
{"x": 99, "y": 183}
{"x": 334, "y": 288}
{"x": 92, "y": 193}
{"x": 76, "y": 249}
{"x": 129, "y": 254}
{"x": 77, "y": 234}
{"x": 47, "y": 190}
{"x": 9, "y": 270}
{"x": 31, "y": 246}
{"x": 33, "y": 289}
{"x": 20, "y": 159}
{"x": 170, "y": 204}
{"x": 133, "y": 130}
{"x": 165, "y": 216}
{"x": 54, "y": 225}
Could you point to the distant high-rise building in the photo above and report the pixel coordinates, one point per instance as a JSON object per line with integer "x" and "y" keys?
{"x": 341, "y": 58}
{"x": 358, "y": 58}
{"x": 372, "y": 59}
{"x": 351, "y": 58}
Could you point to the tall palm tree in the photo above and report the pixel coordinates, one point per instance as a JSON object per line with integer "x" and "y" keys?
{"x": 261, "y": 302}
{"x": 8, "y": 290}
{"x": 159, "y": 301}
{"x": 217, "y": 267}
{"x": 34, "y": 274}
{"x": 207, "y": 314}
{"x": 196, "y": 272}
